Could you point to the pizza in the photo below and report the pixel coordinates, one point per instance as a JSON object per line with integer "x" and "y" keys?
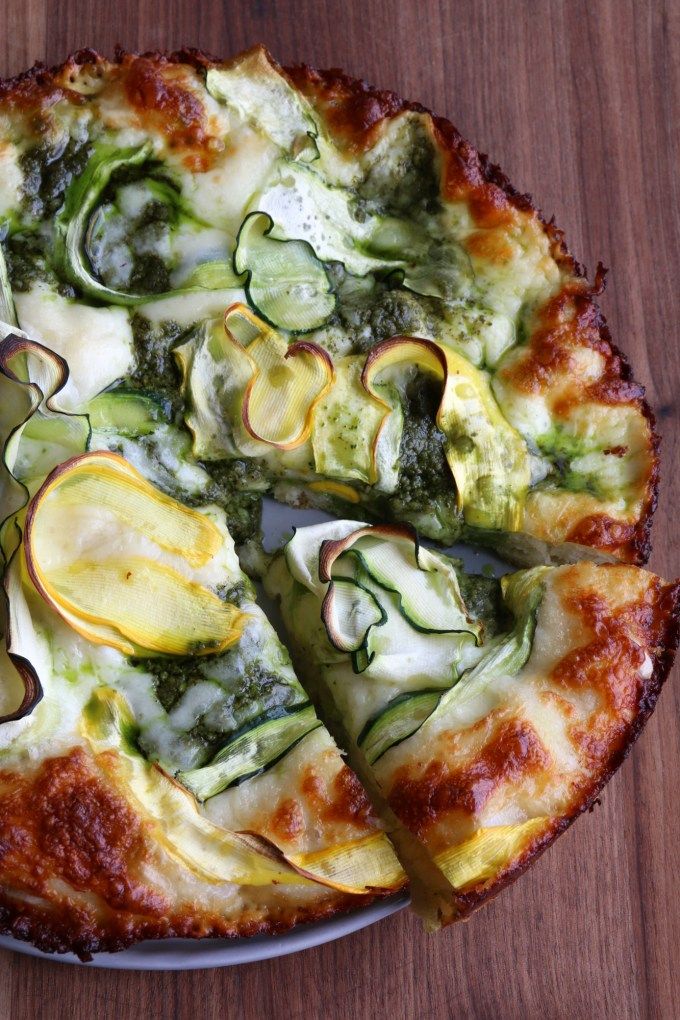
{"x": 224, "y": 281}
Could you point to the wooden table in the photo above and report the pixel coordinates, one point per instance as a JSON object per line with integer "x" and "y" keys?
{"x": 579, "y": 102}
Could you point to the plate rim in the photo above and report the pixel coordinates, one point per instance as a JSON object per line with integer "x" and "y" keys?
{"x": 206, "y": 954}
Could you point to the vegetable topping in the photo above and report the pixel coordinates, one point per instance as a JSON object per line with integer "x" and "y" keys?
{"x": 130, "y": 601}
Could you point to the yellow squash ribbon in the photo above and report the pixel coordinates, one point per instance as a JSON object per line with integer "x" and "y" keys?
{"x": 132, "y": 602}
{"x": 488, "y": 458}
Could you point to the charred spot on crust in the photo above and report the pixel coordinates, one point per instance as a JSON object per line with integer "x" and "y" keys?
{"x": 344, "y": 801}
{"x": 513, "y": 752}
{"x": 66, "y": 822}
{"x": 288, "y": 821}
{"x": 159, "y": 98}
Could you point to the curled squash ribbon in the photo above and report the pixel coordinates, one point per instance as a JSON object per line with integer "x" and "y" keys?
{"x": 134, "y": 603}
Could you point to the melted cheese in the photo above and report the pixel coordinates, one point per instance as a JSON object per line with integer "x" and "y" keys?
{"x": 219, "y": 196}
{"x": 11, "y": 179}
{"x": 527, "y": 749}
{"x": 95, "y": 342}
{"x": 186, "y": 309}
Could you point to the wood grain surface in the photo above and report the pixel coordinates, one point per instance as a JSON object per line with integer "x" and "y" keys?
{"x": 578, "y": 101}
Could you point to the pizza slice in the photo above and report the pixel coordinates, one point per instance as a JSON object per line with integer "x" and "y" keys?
{"x": 484, "y": 715}
{"x": 441, "y": 356}
{"x": 162, "y": 771}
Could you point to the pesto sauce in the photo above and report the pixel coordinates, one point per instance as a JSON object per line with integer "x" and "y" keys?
{"x": 254, "y": 692}
{"x": 149, "y": 275}
{"x": 47, "y": 172}
{"x": 407, "y": 185}
{"x": 156, "y": 371}
{"x": 237, "y": 486}
{"x": 484, "y": 600}
{"x": 236, "y": 593}
{"x": 425, "y": 484}
{"x": 27, "y": 260}
{"x": 126, "y": 254}
{"x": 369, "y": 314}
{"x": 391, "y": 313}
{"x": 561, "y": 448}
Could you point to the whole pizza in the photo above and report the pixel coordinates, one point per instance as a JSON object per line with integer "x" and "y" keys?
{"x": 221, "y": 281}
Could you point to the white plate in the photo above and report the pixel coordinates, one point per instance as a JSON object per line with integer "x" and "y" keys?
{"x": 185, "y": 954}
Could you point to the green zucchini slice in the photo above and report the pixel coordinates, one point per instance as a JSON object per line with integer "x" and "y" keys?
{"x": 522, "y": 594}
{"x": 489, "y": 459}
{"x": 354, "y": 437}
{"x": 80, "y": 221}
{"x": 215, "y": 275}
{"x": 8, "y": 312}
{"x": 262, "y": 95}
{"x": 399, "y": 719}
{"x": 125, "y": 412}
{"x": 396, "y": 652}
{"x": 349, "y": 612}
{"x": 75, "y": 220}
{"x": 251, "y": 751}
{"x": 426, "y": 585}
{"x": 285, "y": 282}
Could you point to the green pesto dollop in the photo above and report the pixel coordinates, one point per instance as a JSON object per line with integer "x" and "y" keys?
{"x": 562, "y": 448}
{"x": 237, "y": 485}
{"x": 149, "y": 274}
{"x": 370, "y": 310}
{"x": 156, "y": 370}
{"x": 484, "y": 600}
{"x": 246, "y": 693}
{"x": 47, "y": 172}
{"x": 127, "y": 249}
{"x": 27, "y": 259}
{"x": 425, "y": 485}
{"x": 407, "y": 184}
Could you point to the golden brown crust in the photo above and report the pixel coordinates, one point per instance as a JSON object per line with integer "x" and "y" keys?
{"x": 568, "y": 323}
{"x": 65, "y": 823}
{"x": 66, "y": 927}
{"x": 74, "y": 859}
{"x": 513, "y": 752}
{"x": 352, "y": 109}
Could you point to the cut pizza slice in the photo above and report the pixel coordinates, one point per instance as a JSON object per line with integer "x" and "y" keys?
{"x": 162, "y": 771}
{"x": 484, "y": 715}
